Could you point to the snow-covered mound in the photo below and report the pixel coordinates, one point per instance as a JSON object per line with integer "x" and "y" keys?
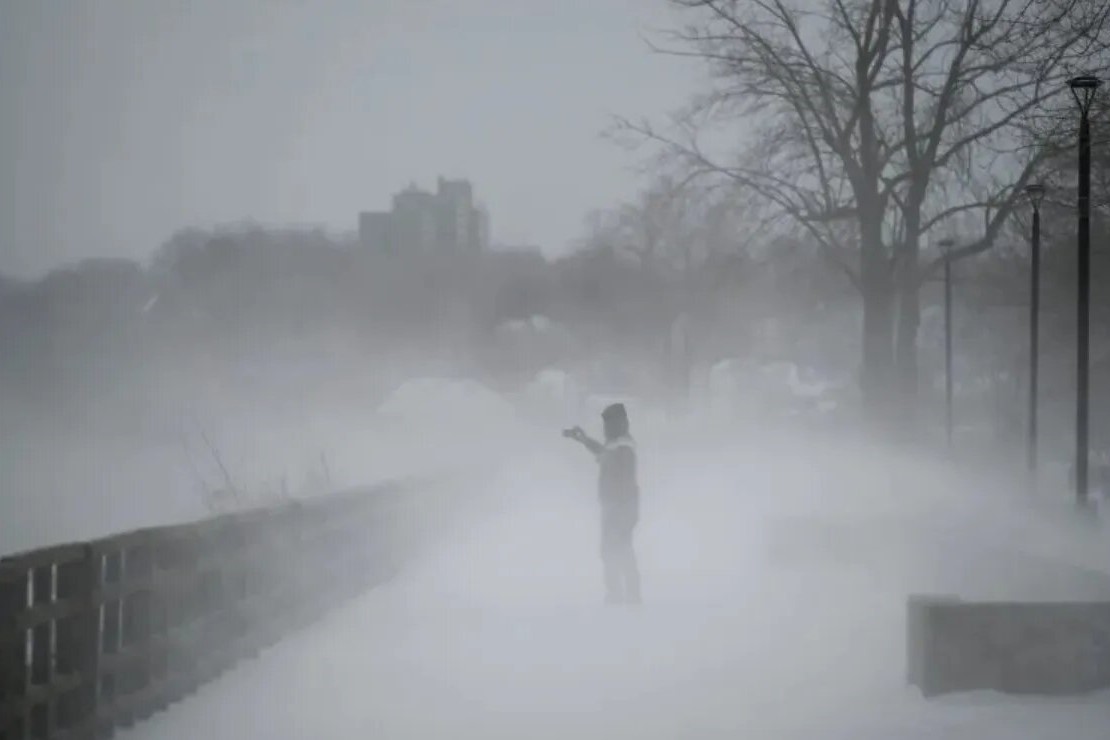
{"x": 435, "y": 425}
{"x": 552, "y": 398}
{"x": 449, "y": 402}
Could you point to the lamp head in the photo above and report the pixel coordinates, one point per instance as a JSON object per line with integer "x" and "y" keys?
{"x": 1084, "y": 82}
{"x": 1083, "y": 90}
{"x": 1035, "y": 191}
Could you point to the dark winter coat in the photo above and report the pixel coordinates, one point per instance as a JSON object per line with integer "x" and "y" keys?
{"x": 617, "y": 485}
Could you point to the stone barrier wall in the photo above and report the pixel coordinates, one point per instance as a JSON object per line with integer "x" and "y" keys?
{"x": 1045, "y": 648}
{"x": 99, "y": 635}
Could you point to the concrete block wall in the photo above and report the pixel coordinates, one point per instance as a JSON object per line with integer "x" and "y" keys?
{"x": 1042, "y": 648}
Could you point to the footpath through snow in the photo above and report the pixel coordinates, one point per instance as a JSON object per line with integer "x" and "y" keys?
{"x": 775, "y": 591}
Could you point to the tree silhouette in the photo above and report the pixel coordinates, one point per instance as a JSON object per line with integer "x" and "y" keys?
{"x": 877, "y": 125}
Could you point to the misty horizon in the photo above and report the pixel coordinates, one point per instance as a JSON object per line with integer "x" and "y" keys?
{"x": 126, "y": 125}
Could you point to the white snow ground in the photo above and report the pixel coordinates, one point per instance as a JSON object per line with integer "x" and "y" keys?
{"x": 748, "y": 631}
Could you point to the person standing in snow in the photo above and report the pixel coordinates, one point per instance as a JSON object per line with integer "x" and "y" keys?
{"x": 619, "y": 494}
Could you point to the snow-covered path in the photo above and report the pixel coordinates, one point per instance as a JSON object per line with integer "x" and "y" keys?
{"x": 498, "y": 632}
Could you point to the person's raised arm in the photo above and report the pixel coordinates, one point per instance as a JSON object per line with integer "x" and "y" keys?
{"x": 578, "y": 435}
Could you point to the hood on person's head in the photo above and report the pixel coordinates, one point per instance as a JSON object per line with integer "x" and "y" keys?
{"x": 615, "y": 421}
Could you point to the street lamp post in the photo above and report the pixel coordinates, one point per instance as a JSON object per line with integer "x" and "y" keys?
{"x": 1083, "y": 89}
{"x": 946, "y": 245}
{"x": 1035, "y": 191}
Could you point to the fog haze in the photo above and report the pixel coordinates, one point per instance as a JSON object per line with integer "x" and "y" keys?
{"x": 782, "y": 363}
{"x": 126, "y": 121}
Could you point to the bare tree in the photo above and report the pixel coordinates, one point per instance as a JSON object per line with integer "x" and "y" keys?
{"x": 675, "y": 227}
{"x": 874, "y": 124}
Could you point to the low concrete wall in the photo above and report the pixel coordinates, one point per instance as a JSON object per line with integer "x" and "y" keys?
{"x": 1046, "y": 648}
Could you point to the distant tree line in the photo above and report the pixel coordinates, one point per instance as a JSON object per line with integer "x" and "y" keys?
{"x": 210, "y": 302}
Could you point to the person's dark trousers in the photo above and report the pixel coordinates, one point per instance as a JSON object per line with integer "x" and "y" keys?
{"x": 622, "y": 573}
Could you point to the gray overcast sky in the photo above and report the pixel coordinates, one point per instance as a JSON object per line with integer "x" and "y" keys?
{"x": 123, "y": 120}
